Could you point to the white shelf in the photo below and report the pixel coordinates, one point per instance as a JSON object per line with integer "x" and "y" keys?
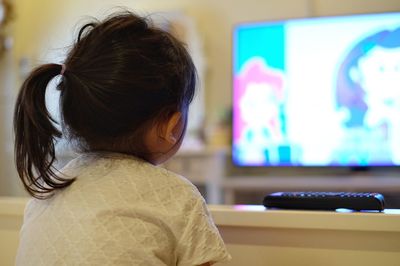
{"x": 208, "y": 167}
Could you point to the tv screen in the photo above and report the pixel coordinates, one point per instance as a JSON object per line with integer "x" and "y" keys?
{"x": 317, "y": 92}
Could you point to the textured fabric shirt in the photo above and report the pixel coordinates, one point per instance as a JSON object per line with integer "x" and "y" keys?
{"x": 120, "y": 211}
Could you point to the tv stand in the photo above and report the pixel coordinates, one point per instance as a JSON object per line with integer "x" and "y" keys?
{"x": 221, "y": 183}
{"x": 232, "y": 186}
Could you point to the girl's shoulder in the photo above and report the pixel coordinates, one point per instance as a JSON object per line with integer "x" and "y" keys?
{"x": 130, "y": 177}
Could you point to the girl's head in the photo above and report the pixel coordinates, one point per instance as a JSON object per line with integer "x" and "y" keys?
{"x": 126, "y": 87}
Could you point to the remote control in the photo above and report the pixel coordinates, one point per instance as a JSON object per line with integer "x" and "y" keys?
{"x": 325, "y": 201}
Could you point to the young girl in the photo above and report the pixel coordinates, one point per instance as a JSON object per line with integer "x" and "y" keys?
{"x": 125, "y": 90}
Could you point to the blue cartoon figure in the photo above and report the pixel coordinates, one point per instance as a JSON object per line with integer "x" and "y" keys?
{"x": 368, "y": 96}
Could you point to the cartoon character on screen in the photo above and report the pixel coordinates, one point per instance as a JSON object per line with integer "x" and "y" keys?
{"x": 368, "y": 92}
{"x": 260, "y": 92}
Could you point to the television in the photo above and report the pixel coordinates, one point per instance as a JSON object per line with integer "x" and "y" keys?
{"x": 317, "y": 92}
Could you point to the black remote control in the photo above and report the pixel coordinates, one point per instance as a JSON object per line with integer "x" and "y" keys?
{"x": 325, "y": 200}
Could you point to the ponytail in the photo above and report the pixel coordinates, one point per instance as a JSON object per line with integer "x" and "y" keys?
{"x": 35, "y": 134}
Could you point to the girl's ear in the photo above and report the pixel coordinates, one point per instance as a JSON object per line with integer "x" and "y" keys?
{"x": 172, "y": 129}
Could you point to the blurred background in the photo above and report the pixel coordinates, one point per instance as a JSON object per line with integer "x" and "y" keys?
{"x": 40, "y": 31}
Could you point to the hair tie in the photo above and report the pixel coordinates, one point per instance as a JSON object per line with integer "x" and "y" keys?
{"x": 62, "y": 69}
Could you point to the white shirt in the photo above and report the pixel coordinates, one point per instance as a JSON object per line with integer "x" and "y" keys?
{"x": 120, "y": 211}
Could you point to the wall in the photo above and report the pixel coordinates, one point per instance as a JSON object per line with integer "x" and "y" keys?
{"x": 56, "y": 22}
{"x": 44, "y": 28}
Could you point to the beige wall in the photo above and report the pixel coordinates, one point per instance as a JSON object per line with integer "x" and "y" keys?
{"x": 49, "y": 24}
{"x": 44, "y": 27}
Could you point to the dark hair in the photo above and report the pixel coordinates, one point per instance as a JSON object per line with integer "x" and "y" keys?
{"x": 349, "y": 93}
{"x": 122, "y": 75}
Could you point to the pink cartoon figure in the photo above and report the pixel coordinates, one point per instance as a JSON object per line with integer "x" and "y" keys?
{"x": 259, "y": 92}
